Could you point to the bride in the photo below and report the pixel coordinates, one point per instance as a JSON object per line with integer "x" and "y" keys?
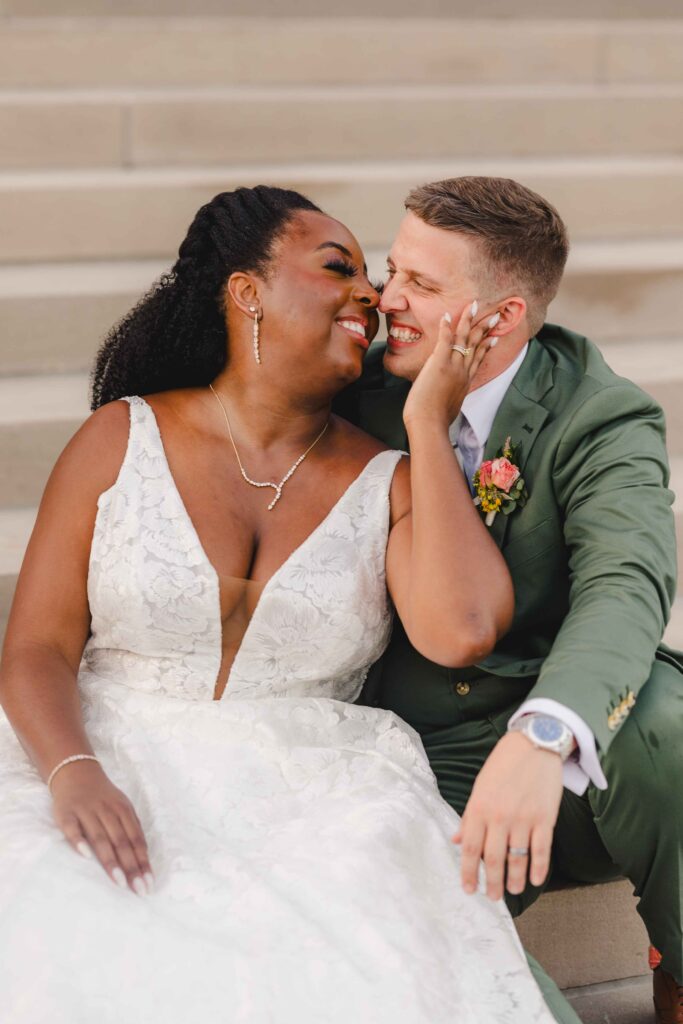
{"x": 224, "y": 835}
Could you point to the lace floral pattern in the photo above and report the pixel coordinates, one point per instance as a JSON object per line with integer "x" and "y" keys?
{"x": 301, "y": 849}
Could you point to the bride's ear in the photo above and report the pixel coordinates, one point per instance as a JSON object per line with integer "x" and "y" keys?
{"x": 242, "y": 290}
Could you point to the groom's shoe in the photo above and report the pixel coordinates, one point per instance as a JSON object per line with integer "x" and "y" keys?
{"x": 668, "y": 996}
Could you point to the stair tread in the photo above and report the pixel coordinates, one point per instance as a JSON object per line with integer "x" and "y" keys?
{"x": 113, "y": 277}
{"x": 16, "y": 525}
{"x": 43, "y": 398}
{"x": 350, "y": 171}
{"x": 327, "y": 92}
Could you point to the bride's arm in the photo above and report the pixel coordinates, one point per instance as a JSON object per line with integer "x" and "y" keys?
{"x": 446, "y": 576}
{"x": 46, "y": 633}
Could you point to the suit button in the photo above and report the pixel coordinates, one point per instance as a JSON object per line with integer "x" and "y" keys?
{"x": 462, "y": 689}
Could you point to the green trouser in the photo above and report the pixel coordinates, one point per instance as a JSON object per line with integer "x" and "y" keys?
{"x": 633, "y": 828}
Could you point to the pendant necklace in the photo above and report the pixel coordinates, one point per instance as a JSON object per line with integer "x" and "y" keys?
{"x": 257, "y": 483}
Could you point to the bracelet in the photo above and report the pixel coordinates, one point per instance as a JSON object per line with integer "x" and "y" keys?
{"x": 68, "y": 760}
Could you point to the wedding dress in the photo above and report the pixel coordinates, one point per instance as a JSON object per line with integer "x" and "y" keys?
{"x": 302, "y": 853}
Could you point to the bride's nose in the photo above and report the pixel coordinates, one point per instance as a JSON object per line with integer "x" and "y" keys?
{"x": 366, "y": 295}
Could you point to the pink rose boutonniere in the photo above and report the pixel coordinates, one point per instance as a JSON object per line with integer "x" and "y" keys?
{"x": 499, "y": 484}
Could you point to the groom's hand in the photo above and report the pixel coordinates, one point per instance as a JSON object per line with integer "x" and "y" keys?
{"x": 513, "y": 806}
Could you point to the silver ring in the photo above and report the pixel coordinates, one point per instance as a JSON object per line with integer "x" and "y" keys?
{"x": 518, "y": 851}
{"x": 463, "y": 351}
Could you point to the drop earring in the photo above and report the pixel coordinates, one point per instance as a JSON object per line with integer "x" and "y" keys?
{"x": 257, "y": 350}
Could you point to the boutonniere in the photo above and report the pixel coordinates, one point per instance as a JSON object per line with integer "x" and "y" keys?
{"x": 499, "y": 484}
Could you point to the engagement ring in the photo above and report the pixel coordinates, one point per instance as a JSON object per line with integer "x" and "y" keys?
{"x": 461, "y": 350}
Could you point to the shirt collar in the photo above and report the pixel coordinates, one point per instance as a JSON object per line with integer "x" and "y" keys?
{"x": 480, "y": 406}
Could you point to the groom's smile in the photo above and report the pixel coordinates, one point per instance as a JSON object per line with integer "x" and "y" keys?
{"x": 401, "y": 334}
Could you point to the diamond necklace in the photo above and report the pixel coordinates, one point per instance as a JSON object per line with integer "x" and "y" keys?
{"x": 257, "y": 483}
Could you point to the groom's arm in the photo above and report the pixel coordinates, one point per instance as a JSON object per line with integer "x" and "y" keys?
{"x": 611, "y": 480}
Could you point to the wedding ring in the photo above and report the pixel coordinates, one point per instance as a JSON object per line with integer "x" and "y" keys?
{"x": 463, "y": 351}
{"x": 518, "y": 851}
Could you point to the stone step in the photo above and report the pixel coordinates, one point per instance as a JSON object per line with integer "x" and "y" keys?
{"x": 144, "y": 214}
{"x": 284, "y": 123}
{"x": 15, "y": 529}
{"x": 390, "y": 9}
{"x": 626, "y": 1001}
{"x": 586, "y": 934}
{"x": 16, "y": 525}
{"x": 200, "y": 52}
{"x": 54, "y": 316}
{"x": 38, "y": 414}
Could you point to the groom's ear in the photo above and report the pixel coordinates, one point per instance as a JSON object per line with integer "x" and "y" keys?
{"x": 512, "y": 313}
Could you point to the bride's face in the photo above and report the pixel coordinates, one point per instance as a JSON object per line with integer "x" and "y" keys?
{"x": 319, "y": 308}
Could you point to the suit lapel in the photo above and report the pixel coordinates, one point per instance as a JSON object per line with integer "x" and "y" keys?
{"x": 521, "y": 417}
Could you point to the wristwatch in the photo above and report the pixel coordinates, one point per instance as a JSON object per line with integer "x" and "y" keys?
{"x": 546, "y": 733}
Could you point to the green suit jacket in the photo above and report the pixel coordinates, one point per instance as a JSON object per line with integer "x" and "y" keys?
{"x": 593, "y": 553}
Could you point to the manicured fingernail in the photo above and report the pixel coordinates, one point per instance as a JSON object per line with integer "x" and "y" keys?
{"x": 494, "y": 320}
{"x": 493, "y": 342}
{"x": 475, "y": 308}
{"x": 84, "y": 850}
{"x": 139, "y": 886}
{"x": 119, "y": 877}
{"x": 149, "y": 879}
{"x": 448, "y": 318}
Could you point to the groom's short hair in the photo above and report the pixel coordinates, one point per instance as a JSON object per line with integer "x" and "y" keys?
{"x": 522, "y": 240}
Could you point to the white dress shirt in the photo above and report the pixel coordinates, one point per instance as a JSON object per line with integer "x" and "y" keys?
{"x": 480, "y": 408}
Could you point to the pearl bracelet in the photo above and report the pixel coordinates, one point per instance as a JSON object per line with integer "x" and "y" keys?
{"x": 68, "y": 760}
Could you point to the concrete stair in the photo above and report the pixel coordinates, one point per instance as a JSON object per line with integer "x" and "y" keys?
{"x": 39, "y": 413}
{"x": 204, "y": 52}
{"x": 391, "y": 9}
{"x": 143, "y": 213}
{"x": 116, "y": 129}
{"x": 612, "y": 952}
{"x": 55, "y": 314}
{"x": 233, "y": 125}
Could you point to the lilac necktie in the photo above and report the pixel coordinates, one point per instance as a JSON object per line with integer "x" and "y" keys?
{"x": 469, "y": 447}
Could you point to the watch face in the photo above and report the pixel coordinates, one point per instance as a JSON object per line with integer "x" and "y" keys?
{"x": 547, "y": 730}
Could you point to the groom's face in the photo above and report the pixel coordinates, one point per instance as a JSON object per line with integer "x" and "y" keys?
{"x": 429, "y": 274}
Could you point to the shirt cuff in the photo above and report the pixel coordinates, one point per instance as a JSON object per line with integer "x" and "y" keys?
{"x": 584, "y": 764}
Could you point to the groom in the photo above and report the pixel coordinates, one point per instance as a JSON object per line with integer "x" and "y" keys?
{"x": 568, "y": 738}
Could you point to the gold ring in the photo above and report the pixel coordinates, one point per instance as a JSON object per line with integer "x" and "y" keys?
{"x": 461, "y": 350}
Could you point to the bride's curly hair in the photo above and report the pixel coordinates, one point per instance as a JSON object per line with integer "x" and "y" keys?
{"x": 175, "y": 337}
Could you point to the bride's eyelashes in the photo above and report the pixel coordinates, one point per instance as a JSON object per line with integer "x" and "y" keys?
{"x": 342, "y": 267}
{"x": 378, "y": 286}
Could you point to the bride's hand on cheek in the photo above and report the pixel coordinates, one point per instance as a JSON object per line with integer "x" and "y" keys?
{"x": 97, "y": 818}
{"x": 440, "y": 388}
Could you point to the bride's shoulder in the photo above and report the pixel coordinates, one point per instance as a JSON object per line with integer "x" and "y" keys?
{"x": 92, "y": 458}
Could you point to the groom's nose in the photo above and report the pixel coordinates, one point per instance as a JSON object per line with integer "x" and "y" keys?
{"x": 392, "y": 299}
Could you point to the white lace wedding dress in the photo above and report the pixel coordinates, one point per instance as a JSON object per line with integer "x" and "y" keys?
{"x": 303, "y": 856}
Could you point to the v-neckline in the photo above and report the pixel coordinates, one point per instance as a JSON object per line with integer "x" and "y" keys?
{"x": 211, "y": 568}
